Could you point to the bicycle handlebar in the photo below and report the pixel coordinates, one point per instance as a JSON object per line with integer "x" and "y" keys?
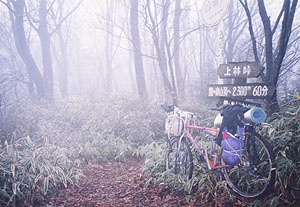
{"x": 177, "y": 111}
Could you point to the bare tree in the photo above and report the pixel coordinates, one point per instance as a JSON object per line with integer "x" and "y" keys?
{"x": 109, "y": 44}
{"x": 158, "y": 33}
{"x": 44, "y": 36}
{"x": 236, "y": 26}
{"x": 274, "y": 57}
{"x": 43, "y": 84}
{"x": 176, "y": 25}
{"x": 59, "y": 17}
{"x": 62, "y": 60}
{"x": 45, "y": 40}
{"x": 13, "y": 78}
{"x": 16, "y": 12}
{"x": 136, "y": 42}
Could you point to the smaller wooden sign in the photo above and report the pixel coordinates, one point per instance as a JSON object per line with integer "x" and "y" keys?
{"x": 240, "y": 70}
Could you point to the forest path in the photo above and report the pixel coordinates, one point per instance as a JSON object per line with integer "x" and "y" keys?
{"x": 117, "y": 184}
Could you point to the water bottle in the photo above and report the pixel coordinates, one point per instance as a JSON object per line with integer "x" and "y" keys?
{"x": 255, "y": 115}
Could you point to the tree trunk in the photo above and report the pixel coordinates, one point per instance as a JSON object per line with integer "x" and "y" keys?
{"x": 17, "y": 21}
{"x": 161, "y": 52}
{"x": 268, "y": 38}
{"x": 130, "y": 70}
{"x": 159, "y": 46}
{"x": 45, "y": 46}
{"x": 231, "y": 41}
{"x": 273, "y": 65}
{"x": 63, "y": 64}
{"x": 108, "y": 46}
{"x": 179, "y": 76}
{"x": 138, "y": 62}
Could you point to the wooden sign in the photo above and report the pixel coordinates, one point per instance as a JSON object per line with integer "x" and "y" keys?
{"x": 240, "y": 70}
{"x": 244, "y": 91}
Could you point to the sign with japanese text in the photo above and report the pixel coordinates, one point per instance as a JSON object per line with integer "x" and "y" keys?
{"x": 240, "y": 70}
{"x": 245, "y": 91}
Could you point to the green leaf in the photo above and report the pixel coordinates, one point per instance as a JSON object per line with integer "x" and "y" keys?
{"x": 256, "y": 203}
{"x": 37, "y": 178}
{"x": 46, "y": 184}
{"x": 13, "y": 169}
{"x": 273, "y": 201}
{"x": 4, "y": 193}
{"x": 148, "y": 182}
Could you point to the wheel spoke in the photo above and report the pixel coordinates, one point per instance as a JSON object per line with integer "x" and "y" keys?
{"x": 253, "y": 176}
{"x": 179, "y": 160}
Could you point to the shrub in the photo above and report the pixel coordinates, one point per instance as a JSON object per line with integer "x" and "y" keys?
{"x": 284, "y": 133}
{"x": 51, "y": 140}
{"x": 92, "y": 130}
{"x": 29, "y": 171}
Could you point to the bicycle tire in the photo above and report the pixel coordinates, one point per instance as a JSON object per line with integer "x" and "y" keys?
{"x": 255, "y": 174}
{"x": 182, "y": 163}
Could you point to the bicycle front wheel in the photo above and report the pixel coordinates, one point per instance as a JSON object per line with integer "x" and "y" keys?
{"x": 179, "y": 158}
{"x": 255, "y": 174}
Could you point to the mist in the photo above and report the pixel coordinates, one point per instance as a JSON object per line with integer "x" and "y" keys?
{"x": 82, "y": 83}
{"x": 92, "y": 47}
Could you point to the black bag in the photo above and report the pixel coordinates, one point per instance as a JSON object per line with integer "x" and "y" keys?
{"x": 232, "y": 117}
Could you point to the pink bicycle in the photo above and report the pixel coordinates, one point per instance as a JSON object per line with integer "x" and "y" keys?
{"x": 244, "y": 157}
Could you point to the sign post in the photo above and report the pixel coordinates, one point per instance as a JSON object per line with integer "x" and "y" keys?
{"x": 239, "y": 92}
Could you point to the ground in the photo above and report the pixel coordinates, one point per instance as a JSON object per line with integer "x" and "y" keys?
{"x": 120, "y": 184}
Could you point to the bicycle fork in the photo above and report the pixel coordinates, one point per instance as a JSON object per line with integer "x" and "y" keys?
{"x": 204, "y": 153}
{"x": 178, "y": 151}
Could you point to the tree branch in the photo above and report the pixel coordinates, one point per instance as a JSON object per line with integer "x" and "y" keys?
{"x": 29, "y": 19}
{"x": 8, "y": 6}
{"x": 253, "y": 39}
{"x": 64, "y": 18}
{"x": 277, "y": 20}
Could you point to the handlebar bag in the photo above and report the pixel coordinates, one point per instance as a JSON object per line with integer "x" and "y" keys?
{"x": 174, "y": 126}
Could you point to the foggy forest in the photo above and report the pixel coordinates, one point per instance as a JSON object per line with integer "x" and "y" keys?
{"x": 116, "y": 103}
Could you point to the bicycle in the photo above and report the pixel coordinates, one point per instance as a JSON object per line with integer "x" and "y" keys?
{"x": 248, "y": 167}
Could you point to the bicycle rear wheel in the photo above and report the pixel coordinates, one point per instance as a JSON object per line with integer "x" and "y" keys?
{"x": 255, "y": 174}
{"x": 179, "y": 158}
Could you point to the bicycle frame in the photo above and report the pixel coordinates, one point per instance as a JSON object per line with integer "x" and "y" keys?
{"x": 211, "y": 164}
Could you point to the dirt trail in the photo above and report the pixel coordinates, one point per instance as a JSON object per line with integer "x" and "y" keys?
{"x": 116, "y": 184}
